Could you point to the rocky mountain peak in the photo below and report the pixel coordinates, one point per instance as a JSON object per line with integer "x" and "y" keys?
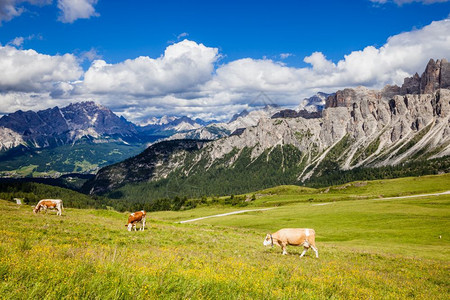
{"x": 83, "y": 116}
{"x": 358, "y": 128}
{"x": 436, "y": 76}
{"x": 57, "y": 126}
{"x": 314, "y": 103}
{"x": 237, "y": 115}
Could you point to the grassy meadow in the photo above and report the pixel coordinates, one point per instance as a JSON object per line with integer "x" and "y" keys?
{"x": 369, "y": 247}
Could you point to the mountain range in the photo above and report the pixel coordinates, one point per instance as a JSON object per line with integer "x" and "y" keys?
{"x": 55, "y": 126}
{"x": 328, "y": 134}
{"x": 397, "y": 127}
{"x": 82, "y": 137}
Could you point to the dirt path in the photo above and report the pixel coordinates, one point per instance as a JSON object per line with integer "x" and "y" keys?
{"x": 413, "y": 196}
{"x": 390, "y": 198}
{"x": 318, "y": 204}
{"x": 227, "y": 214}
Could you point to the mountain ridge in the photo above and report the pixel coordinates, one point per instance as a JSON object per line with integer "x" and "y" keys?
{"x": 358, "y": 128}
{"x": 58, "y": 126}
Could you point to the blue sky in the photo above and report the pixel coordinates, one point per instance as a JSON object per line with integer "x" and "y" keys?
{"x": 219, "y": 51}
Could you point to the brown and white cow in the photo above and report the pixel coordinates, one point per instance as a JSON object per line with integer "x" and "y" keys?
{"x": 295, "y": 237}
{"x": 134, "y": 218}
{"x": 44, "y": 204}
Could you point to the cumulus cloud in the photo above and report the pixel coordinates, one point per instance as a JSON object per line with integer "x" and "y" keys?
{"x": 183, "y": 66}
{"x": 401, "y": 56}
{"x": 401, "y": 2}
{"x": 29, "y": 71}
{"x": 188, "y": 79}
{"x": 72, "y": 10}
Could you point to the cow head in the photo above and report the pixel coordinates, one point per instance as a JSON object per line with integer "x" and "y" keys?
{"x": 268, "y": 241}
{"x": 130, "y": 226}
{"x": 36, "y": 209}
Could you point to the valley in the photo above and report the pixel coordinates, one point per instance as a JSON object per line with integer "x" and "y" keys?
{"x": 84, "y": 158}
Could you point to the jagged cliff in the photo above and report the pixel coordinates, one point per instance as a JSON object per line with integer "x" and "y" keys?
{"x": 358, "y": 128}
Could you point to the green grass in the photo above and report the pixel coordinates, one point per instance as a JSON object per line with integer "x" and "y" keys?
{"x": 283, "y": 195}
{"x": 392, "y": 226}
{"x": 23, "y": 171}
{"x": 369, "y": 249}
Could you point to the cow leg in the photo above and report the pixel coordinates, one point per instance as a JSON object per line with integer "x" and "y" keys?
{"x": 304, "y": 251}
{"x": 143, "y": 224}
{"x": 316, "y": 251}
{"x": 135, "y": 226}
{"x": 283, "y": 247}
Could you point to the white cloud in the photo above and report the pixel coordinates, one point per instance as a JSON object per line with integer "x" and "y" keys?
{"x": 90, "y": 55}
{"x": 72, "y": 10}
{"x": 29, "y": 71}
{"x": 18, "y": 41}
{"x": 319, "y": 63}
{"x": 182, "y": 67}
{"x": 182, "y": 35}
{"x": 187, "y": 79}
{"x": 248, "y": 74}
{"x": 400, "y": 56}
{"x": 401, "y": 2}
{"x": 10, "y": 9}
{"x": 285, "y": 55}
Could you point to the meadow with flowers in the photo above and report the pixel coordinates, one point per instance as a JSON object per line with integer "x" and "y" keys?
{"x": 370, "y": 248}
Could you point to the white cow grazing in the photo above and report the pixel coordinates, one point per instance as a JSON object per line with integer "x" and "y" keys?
{"x": 295, "y": 237}
{"x": 49, "y": 203}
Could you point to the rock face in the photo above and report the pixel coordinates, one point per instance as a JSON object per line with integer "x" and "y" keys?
{"x": 359, "y": 127}
{"x": 436, "y": 76}
{"x": 57, "y": 126}
{"x": 314, "y": 103}
{"x": 170, "y": 124}
{"x": 9, "y": 139}
{"x": 290, "y": 113}
{"x": 213, "y": 131}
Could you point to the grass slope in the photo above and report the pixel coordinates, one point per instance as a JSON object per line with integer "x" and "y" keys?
{"x": 369, "y": 249}
{"x": 355, "y": 190}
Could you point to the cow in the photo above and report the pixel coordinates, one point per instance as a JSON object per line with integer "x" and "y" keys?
{"x": 49, "y": 203}
{"x": 134, "y": 218}
{"x": 295, "y": 237}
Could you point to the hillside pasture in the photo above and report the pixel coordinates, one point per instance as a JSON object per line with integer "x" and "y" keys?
{"x": 356, "y": 190}
{"x": 368, "y": 249}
